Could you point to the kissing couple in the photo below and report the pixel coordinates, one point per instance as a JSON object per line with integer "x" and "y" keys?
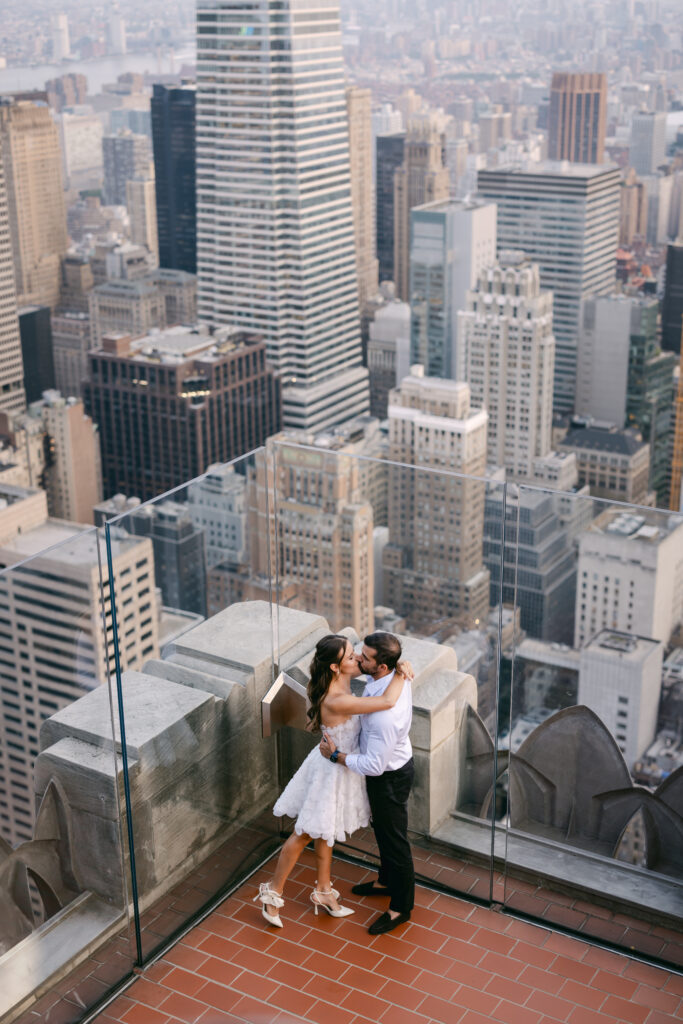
{"x": 362, "y": 770}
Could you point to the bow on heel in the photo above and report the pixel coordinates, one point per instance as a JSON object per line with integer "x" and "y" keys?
{"x": 269, "y": 898}
{"x": 318, "y": 902}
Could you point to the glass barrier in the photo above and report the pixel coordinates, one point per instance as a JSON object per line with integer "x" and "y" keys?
{"x": 593, "y": 735}
{"x": 66, "y": 936}
{"x": 362, "y": 544}
{"x": 202, "y": 779}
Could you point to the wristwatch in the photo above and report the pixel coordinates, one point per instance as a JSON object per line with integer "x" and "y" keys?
{"x": 334, "y": 756}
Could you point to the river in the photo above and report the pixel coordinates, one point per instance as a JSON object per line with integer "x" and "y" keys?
{"x": 99, "y": 71}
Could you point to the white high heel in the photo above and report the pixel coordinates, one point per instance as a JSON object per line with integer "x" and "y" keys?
{"x": 269, "y": 898}
{"x": 317, "y": 902}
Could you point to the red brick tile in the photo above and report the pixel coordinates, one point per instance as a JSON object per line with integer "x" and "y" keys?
{"x": 144, "y": 991}
{"x": 472, "y": 999}
{"x": 398, "y": 970}
{"x": 184, "y": 956}
{"x": 139, "y": 1014}
{"x": 504, "y": 988}
{"x": 615, "y": 963}
{"x": 405, "y": 996}
{"x": 653, "y": 976}
{"x": 497, "y": 942}
{"x": 365, "y": 1005}
{"x": 440, "y": 1010}
{"x": 472, "y": 1017}
{"x": 253, "y": 1010}
{"x": 536, "y": 956}
{"x": 293, "y": 1000}
{"x": 436, "y": 985}
{"x": 363, "y": 981}
{"x": 456, "y": 928}
{"x": 471, "y": 976}
{"x": 582, "y": 995}
{"x": 565, "y": 916}
{"x": 552, "y": 1005}
{"x": 256, "y": 938}
{"x": 429, "y": 961}
{"x": 580, "y": 1015}
{"x": 534, "y": 934}
{"x": 625, "y": 1010}
{"x": 463, "y": 957}
{"x": 218, "y": 996}
{"x": 542, "y": 980}
{"x": 566, "y": 946}
{"x": 250, "y": 984}
{"x": 159, "y": 970}
{"x": 662, "y": 1018}
{"x": 288, "y": 974}
{"x": 513, "y": 1013}
{"x": 186, "y": 982}
{"x": 672, "y": 982}
{"x": 321, "y": 964}
{"x": 451, "y": 906}
{"x": 324, "y": 1013}
{"x": 503, "y": 965}
{"x": 184, "y": 1008}
{"x": 423, "y": 937}
{"x": 569, "y": 968}
{"x": 327, "y": 989}
{"x": 401, "y": 1015}
{"x": 656, "y": 999}
{"x": 426, "y": 918}
{"x": 217, "y": 970}
{"x": 614, "y": 983}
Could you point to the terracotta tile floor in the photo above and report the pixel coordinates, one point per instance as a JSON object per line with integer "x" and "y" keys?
{"x": 453, "y": 963}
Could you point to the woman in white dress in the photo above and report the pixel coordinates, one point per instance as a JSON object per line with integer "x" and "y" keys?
{"x": 328, "y": 800}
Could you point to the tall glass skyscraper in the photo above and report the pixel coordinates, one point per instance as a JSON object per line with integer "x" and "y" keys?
{"x": 173, "y": 137}
{"x": 275, "y": 241}
{"x": 565, "y": 217}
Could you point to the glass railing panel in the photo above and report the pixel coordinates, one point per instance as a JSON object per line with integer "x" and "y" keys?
{"x": 197, "y": 606}
{"x": 366, "y": 544}
{"x": 65, "y": 935}
{"x": 593, "y": 789}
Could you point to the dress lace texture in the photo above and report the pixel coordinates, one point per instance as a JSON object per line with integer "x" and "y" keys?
{"x": 328, "y": 800}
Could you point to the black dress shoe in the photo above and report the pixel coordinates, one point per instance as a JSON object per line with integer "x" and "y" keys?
{"x": 369, "y": 889}
{"x": 386, "y": 923}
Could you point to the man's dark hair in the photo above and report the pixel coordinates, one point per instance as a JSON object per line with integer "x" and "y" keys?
{"x": 386, "y": 647}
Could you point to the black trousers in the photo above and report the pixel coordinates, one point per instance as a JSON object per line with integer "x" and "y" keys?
{"x": 388, "y": 795}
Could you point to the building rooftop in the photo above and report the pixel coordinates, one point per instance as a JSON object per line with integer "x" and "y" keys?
{"x": 619, "y": 442}
{"x": 453, "y": 963}
{"x": 78, "y": 545}
{"x": 556, "y": 168}
{"x": 627, "y": 646}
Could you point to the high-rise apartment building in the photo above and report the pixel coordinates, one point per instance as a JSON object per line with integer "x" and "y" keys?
{"x": 217, "y": 504}
{"x": 170, "y": 404}
{"x": 629, "y": 575}
{"x": 61, "y": 45}
{"x": 672, "y": 305}
{"x": 80, "y": 136}
{"x": 173, "y": 139}
{"x": 565, "y": 217}
{"x": 577, "y": 119}
{"x": 433, "y": 563}
{"x": 12, "y": 394}
{"x": 451, "y": 242}
{"x": 633, "y": 210}
{"x": 179, "y": 553}
{"x": 359, "y": 107}
{"x": 36, "y": 351}
{"x": 505, "y": 337}
{"x": 648, "y": 141}
{"x": 29, "y": 142}
{"x": 421, "y": 178}
{"x": 388, "y": 353}
{"x": 275, "y": 240}
{"x": 68, "y": 90}
{"x": 125, "y": 156}
{"x": 389, "y": 150}
{"x": 70, "y": 347}
{"x": 159, "y": 299}
{"x": 55, "y": 657}
{"x": 142, "y": 210}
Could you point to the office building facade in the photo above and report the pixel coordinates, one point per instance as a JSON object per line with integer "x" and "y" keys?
{"x": 36, "y": 350}
{"x": 124, "y": 156}
{"x": 359, "y": 107}
{"x": 647, "y": 151}
{"x": 171, "y": 404}
{"x": 389, "y": 150}
{"x": 565, "y": 217}
{"x": 505, "y": 337}
{"x": 173, "y": 139}
{"x": 275, "y": 240}
{"x": 672, "y": 304}
{"x": 577, "y": 118}
{"x": 451, "y": 242}
{"x": 142, "y": 210}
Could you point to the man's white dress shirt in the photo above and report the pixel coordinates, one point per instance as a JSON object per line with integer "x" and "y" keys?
{"x": 384, "y": 740}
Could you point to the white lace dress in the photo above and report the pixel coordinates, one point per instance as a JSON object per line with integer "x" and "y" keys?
{"x": 328, "y": 800}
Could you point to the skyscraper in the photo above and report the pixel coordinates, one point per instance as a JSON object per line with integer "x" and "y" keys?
{"x": 507, "y": 350}
{"x": 578, "y": 117}
{"x": 359, "y": 106}
{"x": 12, "y": 394}
{"x": 565, "y": 217}
{"x": 433, "y": 564}
{"x": 61, "y": 46}
{"x": 451, "y": 242}
{"x": 672, "y": 306}
{"x": 173, "y": 403}
{"x": 142, "y": 210}
{"x": 275, "y": 241}
{"x": 173, "y": 138}
{"x": 421, "y": 178}
{"x": 125, "y": 156}
{"x": 33, "y": 175}
{"x": 388, "y": 158}
{"x": 36, "y": 350}
{"x": 648, "y": 141}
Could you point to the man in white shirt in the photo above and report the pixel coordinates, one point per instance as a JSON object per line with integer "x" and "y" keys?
{"x": 386, "y": 760}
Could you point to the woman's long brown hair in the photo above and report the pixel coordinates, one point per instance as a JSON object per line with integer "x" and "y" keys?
{"x": 328, "y": 651}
